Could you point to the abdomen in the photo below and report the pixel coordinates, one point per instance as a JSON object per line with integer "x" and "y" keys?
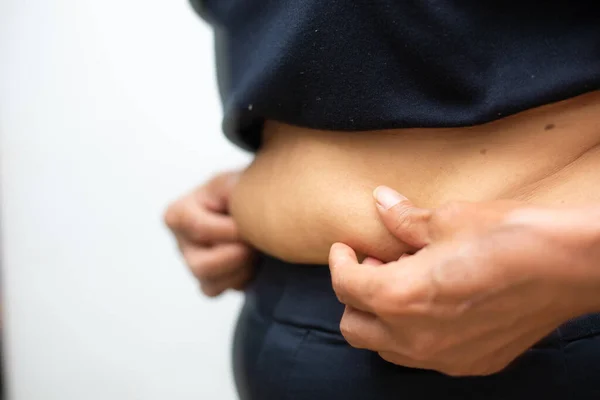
{"x": 307, "y": 189}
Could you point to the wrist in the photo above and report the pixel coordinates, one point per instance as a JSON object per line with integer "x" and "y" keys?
{"x": 590, "y": 222}
{"x": 570, "y": 252}
{"x": 577, "y": 234}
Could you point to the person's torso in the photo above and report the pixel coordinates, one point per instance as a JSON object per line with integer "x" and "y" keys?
{"x": 418, "y": 95}
{"x": 307, "y": 189}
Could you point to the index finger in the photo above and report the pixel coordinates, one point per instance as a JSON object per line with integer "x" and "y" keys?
{"x": 200, "y": 225}
{"x": 354, "y": 284}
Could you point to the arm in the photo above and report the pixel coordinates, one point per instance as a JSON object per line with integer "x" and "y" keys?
{"x": 576, "y": 232}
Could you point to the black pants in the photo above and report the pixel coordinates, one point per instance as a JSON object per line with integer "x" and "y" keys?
{"x": 288, "y": 346}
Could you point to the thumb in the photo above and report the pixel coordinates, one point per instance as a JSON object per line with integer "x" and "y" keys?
{"x": 215, "y": 194}
{"x": 402, "y": 218}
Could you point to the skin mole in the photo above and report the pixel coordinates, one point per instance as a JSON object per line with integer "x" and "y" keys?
{"x": 483, "y": 151}
{"x": 548, "y": 127}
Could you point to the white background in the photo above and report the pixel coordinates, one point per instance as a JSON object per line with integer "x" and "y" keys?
{"x": 108, "y": 110}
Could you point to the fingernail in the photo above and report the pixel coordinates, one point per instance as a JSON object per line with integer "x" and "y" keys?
{"x": 387, "y": 197}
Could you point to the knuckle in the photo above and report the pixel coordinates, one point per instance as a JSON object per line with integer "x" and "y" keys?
{"x": 350, "y": 333}
{"x": 192, "y": 222}
{"x": 171, "y": 216}
{"x": 190, "y": 259}
{"x": 210, "y": 290}
{"x": 197, "y": 266}
{"x": 185, "y": 218}
{"x": 369, "y": 295}
{"x": 404, "y": 220}
{"x": 198, "y": 233}
{"x": 412, "y": 227}
{"x": 346, "y": 328}
{"x": 338, "y": 285}
{"x": 390, "y": 300}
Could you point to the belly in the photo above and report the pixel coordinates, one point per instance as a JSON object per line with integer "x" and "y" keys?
{"x": 307, "y": 189}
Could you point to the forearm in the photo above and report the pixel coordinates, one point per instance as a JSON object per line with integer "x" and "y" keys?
{"x": 586, "y": 229}
{"x": 569, "y": 250}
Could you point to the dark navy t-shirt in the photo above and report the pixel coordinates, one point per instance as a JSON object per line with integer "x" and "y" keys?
{"x": 378, "y": 64}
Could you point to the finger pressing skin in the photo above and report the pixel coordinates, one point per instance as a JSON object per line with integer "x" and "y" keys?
{"x": 216, "y": 193}
{"x": 364, "y": 330}
{"x": 403, "y": 219}
{"x": 354, "y": 284}
{"x": 189, "y": 220}
{"x": 217, "y": 261}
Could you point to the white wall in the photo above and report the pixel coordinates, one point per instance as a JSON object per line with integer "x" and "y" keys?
{"x": 108, "y": 109}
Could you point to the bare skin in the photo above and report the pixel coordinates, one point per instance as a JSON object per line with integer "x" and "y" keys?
{"x": 208, "y": 237}
{"x": 307, "y": 190}
{"x": 490, "y": 280}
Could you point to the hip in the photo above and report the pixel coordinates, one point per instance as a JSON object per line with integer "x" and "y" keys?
{"x": 288, "y": 346}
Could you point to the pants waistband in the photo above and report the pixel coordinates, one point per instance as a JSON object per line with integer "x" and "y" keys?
{"x": 302, "y": 295}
